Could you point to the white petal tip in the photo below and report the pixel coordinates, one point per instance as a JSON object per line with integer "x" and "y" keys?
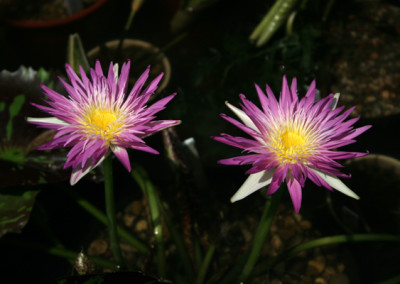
{"x": 253, "y": 183}
{"x": 337, "y": 184}
{"x": 49, "y": 120}
{"x": 234, "y": 198}
{"x": 355, "y": 196}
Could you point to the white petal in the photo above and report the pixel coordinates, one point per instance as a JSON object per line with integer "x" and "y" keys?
{"x": 253, "y": 183}
{"x": 243, "y": 116}
{"x": 50, "y": 120}
{"x": 190, "y": 144}
{"x": 115, "y": 70}
{"x": 77, "y": 174}
{"x": 336, "y": 183}
{"x": 335, "y": 101}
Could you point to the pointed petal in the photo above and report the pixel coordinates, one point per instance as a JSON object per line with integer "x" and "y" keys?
{"x": 253, "y": 183}
{"x": 49, "y": 120}
{"x": 243, "y": 116}
{"x": 158, "y": 125}
{"x": 336, "y": 183}
{"x": 279, "y": 176}
{"x": 122, "y": 155}
{"x": 335, "y": 101}
{"x": 295, "y": 192}
{"x": 79, "y": 172}
{"x": 263, "y": 99}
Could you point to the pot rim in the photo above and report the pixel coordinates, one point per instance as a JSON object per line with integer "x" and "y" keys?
{"x": 113, "y": 44}
{"x": 383, "y": 161}
{"x": 57, "y": 22}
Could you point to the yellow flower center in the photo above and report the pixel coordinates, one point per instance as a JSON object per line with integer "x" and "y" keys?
{"x": 102, "y": 122}
{"x": 292, "y": 139}
{"x": 290, "y": 146}
{"x": 102, "y": 118}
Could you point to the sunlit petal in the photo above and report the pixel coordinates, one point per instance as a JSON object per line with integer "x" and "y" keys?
{"x": 253, "y": 183}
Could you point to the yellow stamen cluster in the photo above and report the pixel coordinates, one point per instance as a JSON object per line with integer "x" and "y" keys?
{"x": 290, "y": 145}
{"x": 102, "y": 122}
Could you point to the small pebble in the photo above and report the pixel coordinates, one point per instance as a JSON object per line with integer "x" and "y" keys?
{"x": 97, "y": 247}
{"x": 141, "y": 226}
{"x": 316, "y": 266}
{"x": 339, "y": 278}
{"x": 320, "y": 280}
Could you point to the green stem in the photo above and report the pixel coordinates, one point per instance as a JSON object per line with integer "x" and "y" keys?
{"x": 278, "y": 17}
{"x": 327, "y": 10}
{"x": 60, "y": 252}
{"x": 392, "y": 280}
{"x": 329, "y": 241}
{"x": 180, "y": 247}
{"x": 152, "y": 197}
{"x": 261, "y": 234}
{"x": 135, "y": 6}
{"x": 52, "y": 236}
{"x": 206, "y": 263}
{"x": 110, "y": 209}
{"x": 100, "y": 216}
{"x": 265, "y": 22}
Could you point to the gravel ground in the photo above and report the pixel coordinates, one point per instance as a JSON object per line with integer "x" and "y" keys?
{"x": 366, "y": 70}
{"x": 321, "y": 265}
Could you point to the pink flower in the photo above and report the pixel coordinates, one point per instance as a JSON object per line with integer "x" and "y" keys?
{"x": 292, "y": 140}
{"x": 97, "y": 117}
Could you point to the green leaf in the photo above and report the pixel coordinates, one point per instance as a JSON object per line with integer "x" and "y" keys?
{"x": 76, "y": 54}
{"x": 19, "y": 164}
{"x": 15, "y": 207}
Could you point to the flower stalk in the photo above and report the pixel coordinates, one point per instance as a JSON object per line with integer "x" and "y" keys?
{"x": 100, "y": 216}
{"x": 338, "y": 239}
{"x": 110, "y": 209}
{"x": 261, "y": 234}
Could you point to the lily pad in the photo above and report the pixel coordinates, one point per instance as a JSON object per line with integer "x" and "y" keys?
{"x": 19, "y": 164}
{"x": 15, "y": 208}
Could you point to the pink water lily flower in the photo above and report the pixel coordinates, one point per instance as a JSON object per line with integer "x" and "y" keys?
{"x": 291, "y": 140}
{"x": 98, "y": 117}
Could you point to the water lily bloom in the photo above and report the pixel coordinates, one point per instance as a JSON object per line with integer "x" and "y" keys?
{"x": 292, "y": 140}
{"x": 98, "y": 118}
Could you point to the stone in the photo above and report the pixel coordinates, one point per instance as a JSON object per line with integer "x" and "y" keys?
{"x": 315, "y": 266}
{"x": 339, "y": 278}
{"x": 97, "y": 247}
{"x": 141, "y": 226}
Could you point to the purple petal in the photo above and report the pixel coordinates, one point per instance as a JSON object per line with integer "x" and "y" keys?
{"x": 122, "y": 155}
{"x": 79, "y": 173}
{"x": 295, "y": 192}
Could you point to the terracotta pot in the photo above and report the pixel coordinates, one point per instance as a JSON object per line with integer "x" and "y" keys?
{"x": 376, "y": 179}
{"x": 44, "y": 43}
{"x": 57, "y": 22}
{"x": 140, "y": 53}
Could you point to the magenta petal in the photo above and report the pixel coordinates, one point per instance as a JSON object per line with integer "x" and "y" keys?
{"x": 80, "y": 172}
{"x": 263, "y": 99}
{"x": 138, "y": 86}
{"x": 144, "y": 148}
{"x": 122, "y": 155}
{"x": 295, "y": 192}
{"x": 279, "y": 176}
